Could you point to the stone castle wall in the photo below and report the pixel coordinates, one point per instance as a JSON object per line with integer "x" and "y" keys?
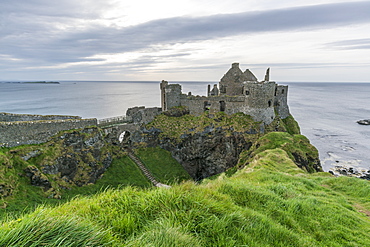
{"x": 230, "y": 105}
{"x": 11, "y": 117}
{"x": 281, "y": 101}
{"x": 15, "y": 133}
{"x": 197, "y": 105}
{"x": 238, "y": 91}
{"x": 172, "y": 93}
{"x": 142, "y": 115}
{"x": 259, "y": 95}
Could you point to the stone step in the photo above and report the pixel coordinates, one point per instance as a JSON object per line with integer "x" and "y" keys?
{"x": 144, "y": 170}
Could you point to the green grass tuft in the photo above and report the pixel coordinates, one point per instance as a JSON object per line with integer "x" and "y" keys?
{"x": 42, "y": 229}
{"x": 174, "y": 127}
{"x": 162, "y": 165}
{"x": 270, "y": 202}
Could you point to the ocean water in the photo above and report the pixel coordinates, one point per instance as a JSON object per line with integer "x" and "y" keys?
{"x": 326, "y": 112}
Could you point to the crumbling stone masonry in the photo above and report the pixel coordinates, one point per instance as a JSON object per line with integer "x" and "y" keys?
{"x": 20, "y": 129}
{"x": 237, "y": 91}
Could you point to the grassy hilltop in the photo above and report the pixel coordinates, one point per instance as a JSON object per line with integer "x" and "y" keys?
{"x": 268, "y": 199}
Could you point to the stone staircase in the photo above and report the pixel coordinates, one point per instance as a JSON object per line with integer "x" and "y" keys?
{"x": 144, "y": 170}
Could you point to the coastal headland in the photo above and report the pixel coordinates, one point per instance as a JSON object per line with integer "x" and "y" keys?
{"x": 227, "y": 169}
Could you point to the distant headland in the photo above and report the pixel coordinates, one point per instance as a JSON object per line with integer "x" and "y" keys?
{"x": 34, "y": 82}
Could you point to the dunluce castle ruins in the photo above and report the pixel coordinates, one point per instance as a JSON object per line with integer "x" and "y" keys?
{"x": 237, "y": 91}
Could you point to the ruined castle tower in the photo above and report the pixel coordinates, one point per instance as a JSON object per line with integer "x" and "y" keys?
{"x": 238, "y": 91}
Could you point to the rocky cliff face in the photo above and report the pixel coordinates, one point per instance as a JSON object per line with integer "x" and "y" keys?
{"x": 297, "y": 147}
{"x": 207, "y": 153}
{"x": 210, "y": 144}
{"x": 72, "y": 158}
{"x": 204, "y": 145}
{"x": 83, "y": 158}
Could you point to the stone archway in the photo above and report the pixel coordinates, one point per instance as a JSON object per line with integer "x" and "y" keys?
{"x": 122, "y": 134}
{"x": 124, "y": 137}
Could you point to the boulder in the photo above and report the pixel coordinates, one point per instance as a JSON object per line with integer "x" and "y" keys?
{"x": 5, "y": 190}
{"x": 37, "y": 177}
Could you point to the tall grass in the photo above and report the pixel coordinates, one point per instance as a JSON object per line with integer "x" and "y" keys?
{"x": 162, "y": 165}
{"x": 41, "y": 229}
{"x": 269, "y": 203}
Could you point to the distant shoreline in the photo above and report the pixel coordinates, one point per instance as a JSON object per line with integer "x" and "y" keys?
{"x": 35, "y": 82}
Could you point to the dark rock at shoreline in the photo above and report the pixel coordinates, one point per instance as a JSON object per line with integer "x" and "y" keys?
{"x": 350, "y": 172}
{"x": 364, "y": 122}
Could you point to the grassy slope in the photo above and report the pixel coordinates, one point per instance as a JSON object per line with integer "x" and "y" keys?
{"x": 122, "y": 172}
{"x": 161, "y": 164}
{"x": 174, "y": 127}
{"x": 270, "y": 202}
{"x": 21, "y": 195}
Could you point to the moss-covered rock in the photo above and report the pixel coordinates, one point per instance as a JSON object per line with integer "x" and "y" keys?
{"x": 205, "y": 145}
{"x": 298, "y": 148}
{"x": 72, "y": 158}
{"x": 212, "y": 143}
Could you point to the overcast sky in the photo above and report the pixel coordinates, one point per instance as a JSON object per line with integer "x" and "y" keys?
{"x": 189, "y": 40}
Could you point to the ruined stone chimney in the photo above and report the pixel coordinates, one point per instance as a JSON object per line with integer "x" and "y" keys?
{"x": 267, "y": 76}
{"x": 235, "y": 65}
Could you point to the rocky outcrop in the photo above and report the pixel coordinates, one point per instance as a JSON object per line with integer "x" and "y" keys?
{"x": 202, "y": 154}
{"x": 77, "y": 157}
{"x": 207, "y": 153}
{"x": 310, "y": 163}
{"x": 297, "y": 147}
{"x": 204, "y": 146}
{"x": 5, "y": 190}
{"x": 364, "y": 122}
{"x": 37, "y": 178}
{"x": 83, "y": 158}
{"x": 350, "y": 172}
{"x": 210, "y": 144}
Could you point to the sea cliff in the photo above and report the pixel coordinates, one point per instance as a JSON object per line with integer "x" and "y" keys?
{"x": 272, "y": 192}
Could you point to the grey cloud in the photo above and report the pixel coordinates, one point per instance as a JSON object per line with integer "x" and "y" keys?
{"x": 62, "y": 8}
{"x": 182, "y": 29}
{"x": 351, "y": 44}
{"x": 41, "y": 41}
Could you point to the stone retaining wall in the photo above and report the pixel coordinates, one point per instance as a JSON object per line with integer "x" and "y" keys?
{"x": 105, "y": 122}
{"x": 11, "y": 117}
{"x": 35, "y": 132}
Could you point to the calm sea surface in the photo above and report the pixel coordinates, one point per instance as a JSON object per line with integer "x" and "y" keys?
{"x": 327, "y": 112}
